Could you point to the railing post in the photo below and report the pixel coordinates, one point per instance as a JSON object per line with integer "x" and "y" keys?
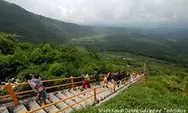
{"x": 114, "y": 86}
{"x": 72, "y": 82}
{"x": 11, "y": 93}
{"x": 95, "y": 94}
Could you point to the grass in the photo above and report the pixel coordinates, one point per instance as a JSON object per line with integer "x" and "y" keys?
{"x": 151, "y": 95}
{"x": 165, "y": 89}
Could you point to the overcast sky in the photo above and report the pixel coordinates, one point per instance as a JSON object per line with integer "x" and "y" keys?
{"x": 112, "y": 12}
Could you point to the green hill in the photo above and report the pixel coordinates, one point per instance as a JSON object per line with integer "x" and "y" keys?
{"x": 165, "y": 89}
{"x": 165, "y": 44}
{"x": 168, "y": 49}
{"x": 36, "y": 28}
{"x": 166, "y": 85}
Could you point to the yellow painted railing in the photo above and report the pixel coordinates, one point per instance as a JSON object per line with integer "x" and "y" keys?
{"x": 95, "y": 93}
{"x": 13, "y": 94}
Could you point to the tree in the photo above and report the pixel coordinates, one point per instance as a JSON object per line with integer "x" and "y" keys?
{"x": 92, "y": 53}
{"x": 7, "y": 43}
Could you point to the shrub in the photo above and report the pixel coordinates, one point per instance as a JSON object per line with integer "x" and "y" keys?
{"x": 63, "y": 68}
{"x": 7, "y": 43}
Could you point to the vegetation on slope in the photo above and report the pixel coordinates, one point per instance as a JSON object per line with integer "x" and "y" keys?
{"x": 165, "y": 88}
{"x": 164, "y": 44}
{"x": 166, "y": 83}
{"x": 167, "y": 49}
{"x": 36, "y": 28}
{"x": 49, "y": 60}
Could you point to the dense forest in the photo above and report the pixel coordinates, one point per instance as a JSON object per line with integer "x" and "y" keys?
{"x": 18, "y": 58}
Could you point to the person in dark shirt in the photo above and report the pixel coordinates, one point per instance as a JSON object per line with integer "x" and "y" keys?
{"x": 109, "y": 76}
{"x": 97, "y": 78}
{"x": 117, "y": 78}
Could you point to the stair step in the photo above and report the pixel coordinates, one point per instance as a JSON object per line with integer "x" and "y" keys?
{"x": 64, "y": 94}
{"x": 120, "y": 86}
{"x": 19, "y": 109}
{"x": 103, "y": 95}
{"x": 51, "y": 109}
{"x": 34, "y": 105}
{"x": 76, "y": 99}
{"x": 3, "y": 110}
{"x": 82, "y": 96}
{"x": 89, "y": 94}
{"x": 60, "y": 105}
{"x": 69, "y": 101}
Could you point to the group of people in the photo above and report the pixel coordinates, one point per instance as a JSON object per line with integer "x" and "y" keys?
{"x": 120, "y": 77}
{"x": 117, "y": 77}
{"x": 36, "y": 84}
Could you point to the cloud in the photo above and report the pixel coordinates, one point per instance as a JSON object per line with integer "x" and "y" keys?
{"x": 109, "y": 11}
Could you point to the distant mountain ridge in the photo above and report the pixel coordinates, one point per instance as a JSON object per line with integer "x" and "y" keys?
{"x": 36, "y": 28}
{"x": 163, "y": 43}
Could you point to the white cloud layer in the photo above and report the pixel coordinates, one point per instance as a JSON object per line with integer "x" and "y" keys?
{"x": 115, "y": 12}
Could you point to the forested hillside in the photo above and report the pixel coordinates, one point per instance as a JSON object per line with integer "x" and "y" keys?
{"x": 168, "y": 44}
{"x": 164, "y": 82}
{"x": 173, "y": 50}
{"x": 36, "y": 28}
{"x": 17, "y": 59}
{"x": 165, "y": 89}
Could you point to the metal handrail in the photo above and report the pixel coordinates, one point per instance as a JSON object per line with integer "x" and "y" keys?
{"x": 61, "y": 100}
{"x": 50, "y": 87}
{"x": 74, "y": 104}
{"x": 25, "y": 83}
{"x": 53, "y": 103}
{"x": 72, "y": 83}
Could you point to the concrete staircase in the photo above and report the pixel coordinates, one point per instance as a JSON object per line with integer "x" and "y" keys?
{"x": 55, "y": 96}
